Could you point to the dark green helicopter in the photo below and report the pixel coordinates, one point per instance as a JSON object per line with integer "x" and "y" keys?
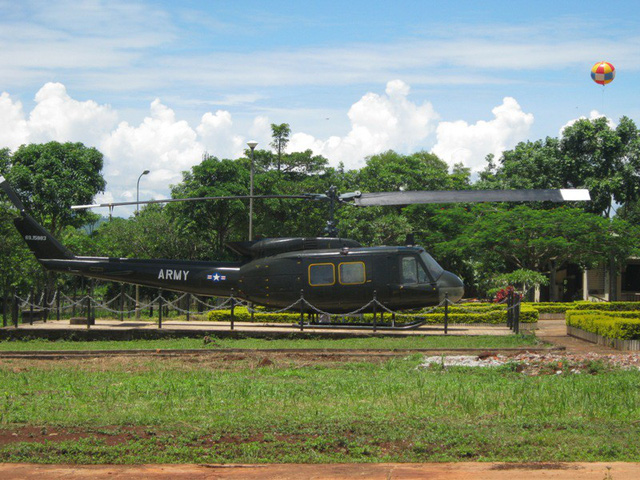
{"x": 334, "y": 274}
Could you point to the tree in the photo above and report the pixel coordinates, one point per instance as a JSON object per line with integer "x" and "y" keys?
{"x": 589, "y": 154}
{"x": 53, "y": 176}
{"x": 280, "y": 134}
{"x": 211, "y": 223}
{"x": 524, "y": 279}
{"x": 527, "y": 238}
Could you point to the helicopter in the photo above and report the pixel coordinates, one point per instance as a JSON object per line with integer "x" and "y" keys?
{"x": 335, "y": 275}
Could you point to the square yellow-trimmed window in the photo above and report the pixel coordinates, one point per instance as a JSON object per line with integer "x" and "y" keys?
{"x": 322, "y": 274}
{"x": 352, "y": 273}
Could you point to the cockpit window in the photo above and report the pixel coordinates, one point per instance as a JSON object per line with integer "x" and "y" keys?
{"x": 411, "y": 271}
{"x": 434, "y": 268}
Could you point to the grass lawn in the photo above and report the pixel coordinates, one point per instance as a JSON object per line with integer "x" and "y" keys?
{"x": 132, "y": 410}
{"x": 378, "y": 343}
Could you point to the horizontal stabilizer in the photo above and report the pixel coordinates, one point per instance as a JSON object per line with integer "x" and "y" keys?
{"x": 471, "y": 196}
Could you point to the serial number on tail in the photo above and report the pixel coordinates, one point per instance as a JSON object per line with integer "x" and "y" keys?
{"x": 37, "y": 238}
{"x": 168, "y": 274}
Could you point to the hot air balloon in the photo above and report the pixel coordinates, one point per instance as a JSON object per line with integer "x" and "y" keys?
{"x": 603, "y": 73}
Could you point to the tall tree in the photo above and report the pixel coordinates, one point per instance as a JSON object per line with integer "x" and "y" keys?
{"x": 53, "y": 176}
{"x": 212, "y": 223}
{"x": 589, "y": 154}
{"x": 528, "y": 238}
{"x": 280, "y": 134}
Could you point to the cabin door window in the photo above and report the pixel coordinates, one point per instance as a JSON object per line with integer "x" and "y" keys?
{"x": 351, "y": 273}
{"x": 322, "y": 274}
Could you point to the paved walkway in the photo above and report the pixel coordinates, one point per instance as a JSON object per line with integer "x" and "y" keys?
{"x": 555, "y": 332}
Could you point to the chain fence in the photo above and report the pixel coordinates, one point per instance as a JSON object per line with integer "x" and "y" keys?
{"x": 123, "y": 305}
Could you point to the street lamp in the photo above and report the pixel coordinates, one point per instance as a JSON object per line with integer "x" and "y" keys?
{"x": 252, "y": 145}
{"x": 138, "y": 191}
{"x": 146, "y": 172}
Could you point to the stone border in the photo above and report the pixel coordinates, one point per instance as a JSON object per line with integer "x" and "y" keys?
{"x": 617, "y": 343}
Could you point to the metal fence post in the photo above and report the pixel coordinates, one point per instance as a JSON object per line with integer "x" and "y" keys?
{"x": 30, "y": 308}
{"x": 5, "y": 307}
{"x": 122, "y": 302}
{"x": 446, "y": 313}
{"x": 375, "y": 312}
{"x": 89, "y": 311}
{"x": 301, "y": 310}
{"x": 14, "y": 309}
{"x": 58, "y": 300}
{"x": 188, "y": 306}
{"x": 509, "y": 309}
{"x": 160, "y": 308}
{"x": 45, "y": 304}
{"x": 233, "y": 308}
{"x": 517, "y": 315}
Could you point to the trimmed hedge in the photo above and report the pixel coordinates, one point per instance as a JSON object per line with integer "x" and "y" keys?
{"x": 456, "y": 315}
{"x": 552, "y": 307}
{"x": 608, "y": 306}
{"x": 621, "y": 325}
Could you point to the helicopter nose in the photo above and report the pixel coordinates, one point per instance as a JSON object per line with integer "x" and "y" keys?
{"x": 451, "y": 286}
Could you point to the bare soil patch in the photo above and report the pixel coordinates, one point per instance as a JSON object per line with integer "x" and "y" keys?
{"x": 434, "y": 471}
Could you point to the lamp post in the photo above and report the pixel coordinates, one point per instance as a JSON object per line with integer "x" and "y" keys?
{"x": 146, "y": 172}
{"x": 252, "y": 145}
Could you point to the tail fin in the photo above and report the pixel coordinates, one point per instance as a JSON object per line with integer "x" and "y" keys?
{"x": 39, "y": 240}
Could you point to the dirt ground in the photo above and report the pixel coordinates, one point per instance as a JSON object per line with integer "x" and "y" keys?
{"x": 433, "y": 471}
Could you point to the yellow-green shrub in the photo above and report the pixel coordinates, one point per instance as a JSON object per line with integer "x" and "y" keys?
{"x": 622, "y": 325}
{"x": 456, "y": 315}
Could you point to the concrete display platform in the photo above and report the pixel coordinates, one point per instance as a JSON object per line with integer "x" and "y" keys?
{"x": 131, "y": 329}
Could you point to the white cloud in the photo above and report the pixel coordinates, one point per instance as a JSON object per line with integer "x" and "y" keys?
{"x": 216, "y": 133}
{"x": 13, "y": 126}
{"x": 167, "y": 146}
{"x": 461, "y": 142}
{"x": 378, "y": 123}
{"x": 58, "y": 116}
{"x": 161, "y": 143}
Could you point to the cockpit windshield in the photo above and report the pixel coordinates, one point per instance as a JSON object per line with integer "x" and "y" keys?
{"x": 434, "y": 268}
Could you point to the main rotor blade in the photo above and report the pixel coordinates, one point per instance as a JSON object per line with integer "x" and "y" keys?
{"x": 309, "y": 196}
{"x": 471, "y": 196}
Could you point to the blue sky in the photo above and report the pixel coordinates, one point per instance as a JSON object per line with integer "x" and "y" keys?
{"x": 154, "y": 84}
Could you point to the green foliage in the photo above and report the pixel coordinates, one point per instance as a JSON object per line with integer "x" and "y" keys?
{"x": 528, "y": 238}
{"x": 590, "y": 154}
{"x": 280, "y": 134}
{"x": 53, "y": 176}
